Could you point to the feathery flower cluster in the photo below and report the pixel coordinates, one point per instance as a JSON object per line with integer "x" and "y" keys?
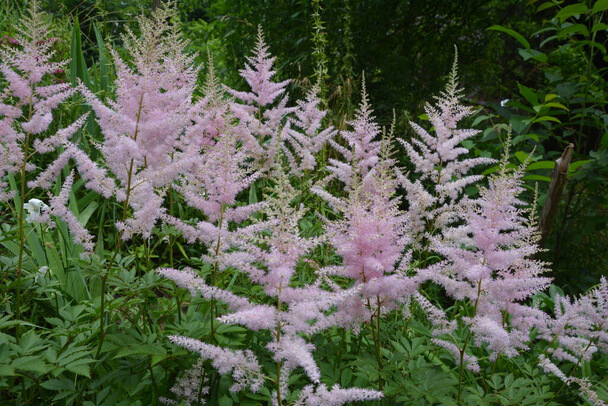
{"x": 270, "y": 256}
{"x": 436, "y": 158}
{"x": 27, "y": 103}
{"x": 489, "y": 262}
{"x": 142, "y": 148}
{"x": 158, "y": 137}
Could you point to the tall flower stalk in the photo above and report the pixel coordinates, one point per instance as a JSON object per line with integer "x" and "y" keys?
{"x": 26, "y": 66}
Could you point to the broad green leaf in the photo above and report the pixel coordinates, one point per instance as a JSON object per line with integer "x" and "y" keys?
{"x": 521, "y": 156}
{"x": 550, "y": 96}
{"x": 573, "y": 29}
{"x": 600, "y": 5}
{"x": 541, "y": 165}
{"x": 599, "y": 27}
{"x": 533, "y": 54}
{"x": 544, "y": 6}
{"x": 546, "y": 118}
{"x": 520, "y": 38}
{"x": 556, "y": 104}
{"x": 7, "y": 370}
{"x": 537, "y": 177}
{"x": 575, "y": 165}
{"x": 528, "y": 94}
{"x": 571, "y": 10}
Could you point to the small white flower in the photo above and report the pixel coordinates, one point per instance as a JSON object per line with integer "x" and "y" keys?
{"x": 41, "y": 272}
{"x": 504, "y": 102}
{"x": 34, "y": 208}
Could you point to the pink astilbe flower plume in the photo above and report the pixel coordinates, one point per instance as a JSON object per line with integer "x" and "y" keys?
{"x": 489, "y": 261}
{"x": 303, "y": 135}
{"x": 580, "y": 325}
{"x": 262, "y": 111}
{"x": 142, "y": 149}
{"x": 372, "y": 235}
{"x": 27, "y": 102}
{"x": 270, "y": 255}
{"x": 364, "y": 145}
{"x": 433, "y": 198}
{"x": 577, "y": 330}
{"x": 58, "y": 207}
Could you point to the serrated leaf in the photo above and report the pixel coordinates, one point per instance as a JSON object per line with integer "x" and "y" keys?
{"x": 58, "y": 385}
{"x": 31, "y": 363}
{"x": 7, "y": 370}
{"x": 80, "y": 367}
{"x": 142, "y": 349}
{"x": 520, "y": 38}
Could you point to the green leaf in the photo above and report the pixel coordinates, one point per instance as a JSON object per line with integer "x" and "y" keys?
{"x": 104, "y": 76}
{"x": 78, "y": 66}
{"x": 599, "y": 5}
{"x": 537, "y": 177}
{"x": 520, "y": 38}
{"x": 571, "y": 10}
{"x": 575, "y": 165}
{"x": 80, "y": 367}
{"x": 599, "y": 27}
{"x": 140, "y": 349}
{"x": 544, "y": 6}
{"x": 557, "y": 105}
{"x": 528, "y": 94}
{"x": 533, "y": 54}
{"x": 521, "y": 156}
{"x": 7, "y": 370}
{"x": 31, "y": 363}
{"x": 546, "y": 118}
{"x": 58, "y": 385}
{"x": 541, "y": 165}
{"x": 573, "y": 29}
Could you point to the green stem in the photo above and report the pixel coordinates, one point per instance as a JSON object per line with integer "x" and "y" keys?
{"x": 215, "y": 269}
{"x": 22, "y": 197}
{"x": 125, "y": 209}
{"x": 464, "y": 345}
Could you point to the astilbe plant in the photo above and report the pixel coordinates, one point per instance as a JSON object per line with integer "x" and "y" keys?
{"x": 440, "y": 161}
{"x": 270, "y": 256}
{"x": 577, "y": 330}
{"x": 143, "y": 149}
{"x": 489, "y": 262}
{"x": 261, "y": 112}
{"x": 26, "y": 112}
{"x": 28, "y": 101}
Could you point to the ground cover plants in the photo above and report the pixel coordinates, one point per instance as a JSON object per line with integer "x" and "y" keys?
{"x": 171, "y": 242}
